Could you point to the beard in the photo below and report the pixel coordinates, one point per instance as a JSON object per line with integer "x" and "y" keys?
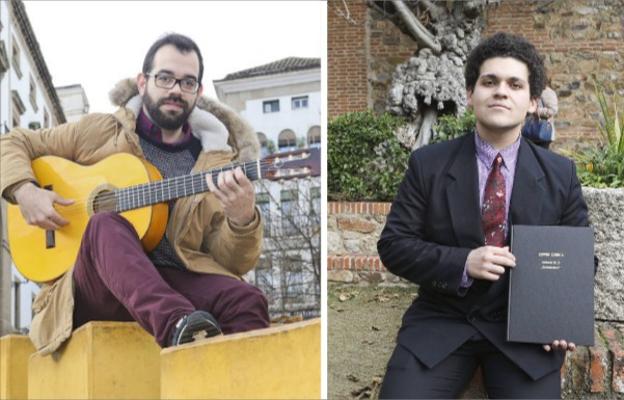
{"x": 170, "y": 120}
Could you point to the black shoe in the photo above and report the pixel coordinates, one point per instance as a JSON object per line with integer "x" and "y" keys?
{"x": 197, "y": 322}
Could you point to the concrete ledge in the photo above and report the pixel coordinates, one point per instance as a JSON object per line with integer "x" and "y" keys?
{"x": 14, "y": 353}
{"x": 102, "y": 360}
{"x": 280, "y": 362}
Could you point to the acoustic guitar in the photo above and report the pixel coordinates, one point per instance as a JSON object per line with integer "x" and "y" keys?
{"x": 127, "y": 185}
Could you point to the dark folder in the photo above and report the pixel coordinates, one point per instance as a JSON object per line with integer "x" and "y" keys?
{"x": 551, "y": 288}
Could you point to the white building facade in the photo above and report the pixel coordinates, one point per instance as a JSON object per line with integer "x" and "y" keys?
{"x": 74, "y": 101}
{"x": 27, "y": 99}
{"x": 282, "y": 101}
{"x": 289, "y": 270}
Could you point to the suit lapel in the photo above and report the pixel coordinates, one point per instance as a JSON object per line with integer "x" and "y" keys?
{"x": 528, "y": 189}
{"x": 462, "y": 195}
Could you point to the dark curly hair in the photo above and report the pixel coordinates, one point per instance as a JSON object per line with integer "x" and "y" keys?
{"x": 507, "y": 45}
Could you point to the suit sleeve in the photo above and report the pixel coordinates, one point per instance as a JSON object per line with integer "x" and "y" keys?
{"x": 403, "y": 246}
{"x": 575, "y": 211}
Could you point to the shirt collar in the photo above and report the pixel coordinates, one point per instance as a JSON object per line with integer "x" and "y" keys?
{"x": 486, "y": 153}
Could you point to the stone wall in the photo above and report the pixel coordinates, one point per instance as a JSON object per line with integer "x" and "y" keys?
{"x": 579, "y": 39}
{"x": 353, "y": 230}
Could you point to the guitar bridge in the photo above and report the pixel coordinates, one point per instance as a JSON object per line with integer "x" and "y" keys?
{"x": 50, "y": 236}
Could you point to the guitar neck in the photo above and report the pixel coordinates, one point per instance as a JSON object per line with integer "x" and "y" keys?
{"x": 148, "y": 194}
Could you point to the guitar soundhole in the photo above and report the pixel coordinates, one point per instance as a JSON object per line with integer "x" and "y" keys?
{"x": 104, "y": 201}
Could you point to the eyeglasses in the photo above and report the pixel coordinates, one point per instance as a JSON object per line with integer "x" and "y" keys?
{"x": 167, "y": 81}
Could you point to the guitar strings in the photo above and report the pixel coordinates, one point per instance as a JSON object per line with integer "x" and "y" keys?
{"x": 168, "y": 184}
{"x": 135, "y": 192}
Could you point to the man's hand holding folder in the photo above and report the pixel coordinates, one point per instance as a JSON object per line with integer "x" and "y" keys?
{"x": 488, "y": 263}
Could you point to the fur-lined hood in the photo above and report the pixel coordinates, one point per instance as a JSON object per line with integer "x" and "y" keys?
{"x": 216, "y": 125}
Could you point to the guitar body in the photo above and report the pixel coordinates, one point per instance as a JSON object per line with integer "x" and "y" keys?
{"x": 42, "y": 255}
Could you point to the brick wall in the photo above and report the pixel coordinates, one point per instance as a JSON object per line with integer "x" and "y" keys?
{"x": 354, "y": 249}
{"x": 347, "y": 88}
{"x": 578, "y": 38}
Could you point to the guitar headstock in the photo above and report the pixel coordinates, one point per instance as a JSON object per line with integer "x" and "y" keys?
{"x": 292, "y": 164}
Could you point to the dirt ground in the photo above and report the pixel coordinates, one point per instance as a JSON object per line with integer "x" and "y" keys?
{"x": 363, "y": 323}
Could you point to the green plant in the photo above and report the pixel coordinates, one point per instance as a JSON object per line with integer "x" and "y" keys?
{"x": 271, "y": 146}
{"x": 603, "y": 167}
{"x": 612, "y": 121}
{"x": 365, "y": 159}
{"x": 450, "y": 126}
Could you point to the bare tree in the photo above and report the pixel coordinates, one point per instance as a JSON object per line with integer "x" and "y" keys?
{"x": 290, "y": 268}
{"x": 432, "y": 82}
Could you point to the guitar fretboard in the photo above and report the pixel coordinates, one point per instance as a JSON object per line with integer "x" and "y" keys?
{"x": 165, "y": 190}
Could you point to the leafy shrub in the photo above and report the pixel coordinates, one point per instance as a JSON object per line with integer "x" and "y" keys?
{"x": 365, "y": 159}
{"x": 603, "y": 167}
{"x": 450, "y": 126}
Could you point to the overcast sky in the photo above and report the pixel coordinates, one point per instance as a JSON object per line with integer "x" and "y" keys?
{"x": 96, "y": 44}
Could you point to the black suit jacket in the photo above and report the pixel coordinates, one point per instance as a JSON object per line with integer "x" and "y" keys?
{"x": 435, "y": 221}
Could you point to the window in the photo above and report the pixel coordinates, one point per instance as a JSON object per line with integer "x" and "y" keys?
{"x": 4, "y": 60}
{"x": 287, "y": 140}
{"x": 263, "y": 200}
{"x": 46, "y": 119}
{"x": 293, "y": 276}
{"x": 299, "y": 102}
{"x": 314, "y": 136}
{"x": 18, "y": 107}
{"x": 270, "y": 106}
{"x": 264, "y": 275}
{"x": 33, "y": 94}
{"x": 288, "y": 203}
{"x": 315, "y": 200}
{"x": 16, "y": 58}
{"x": 264, "y": 144}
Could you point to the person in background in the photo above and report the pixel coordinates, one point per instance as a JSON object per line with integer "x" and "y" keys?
{"x": 547, "y": 107}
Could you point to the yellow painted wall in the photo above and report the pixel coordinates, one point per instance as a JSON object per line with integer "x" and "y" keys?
{"x": 14, "y": 353}
{"x": 281, "y": 362}
{"x": 102, "y": 360}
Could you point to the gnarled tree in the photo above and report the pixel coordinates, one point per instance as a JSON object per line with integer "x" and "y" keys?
{"x": 432, "y": 81}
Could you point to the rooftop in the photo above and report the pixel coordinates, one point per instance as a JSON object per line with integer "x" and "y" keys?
{"x": 288, "y": 64}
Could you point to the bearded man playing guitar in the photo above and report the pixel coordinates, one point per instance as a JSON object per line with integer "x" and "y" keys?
{"x": 186, "y": 284}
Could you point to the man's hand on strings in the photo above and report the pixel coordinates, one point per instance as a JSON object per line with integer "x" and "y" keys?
{"x": 236, "y": 195}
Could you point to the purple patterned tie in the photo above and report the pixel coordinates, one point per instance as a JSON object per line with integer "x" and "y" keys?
{"x": 493, "y": 210}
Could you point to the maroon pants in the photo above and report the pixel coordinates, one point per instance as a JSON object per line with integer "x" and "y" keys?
{"x": 114, "y": 280}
